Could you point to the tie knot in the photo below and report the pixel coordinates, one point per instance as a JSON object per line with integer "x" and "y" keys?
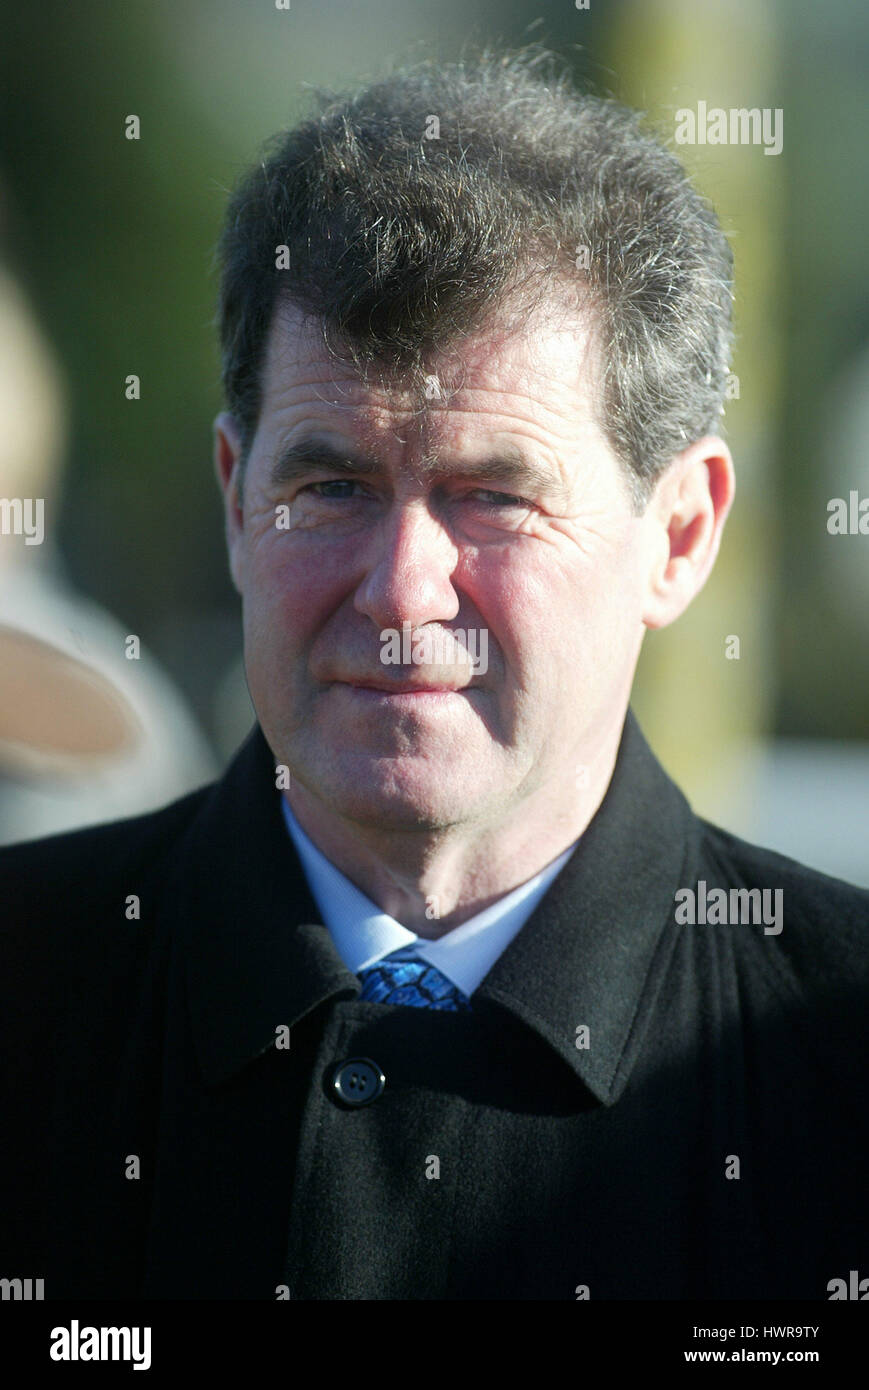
{"x": 401, "y": 978}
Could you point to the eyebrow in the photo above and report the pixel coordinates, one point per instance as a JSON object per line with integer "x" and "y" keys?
{"x": 510, "y": 467}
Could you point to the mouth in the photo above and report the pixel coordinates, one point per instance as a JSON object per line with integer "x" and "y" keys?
{"x": 404, "y": 692}
{"x": 405, "y": 687}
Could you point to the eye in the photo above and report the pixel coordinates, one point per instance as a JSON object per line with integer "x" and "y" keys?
{"x": 500, "y": 499}
{"x": 332, "y": 483}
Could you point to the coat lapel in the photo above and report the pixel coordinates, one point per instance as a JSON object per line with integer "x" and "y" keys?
{"x": 595, "y": 950}
{"x": 254, "y": 949}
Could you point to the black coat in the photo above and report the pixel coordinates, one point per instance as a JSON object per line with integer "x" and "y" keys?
{"x": 559, "y": 1166}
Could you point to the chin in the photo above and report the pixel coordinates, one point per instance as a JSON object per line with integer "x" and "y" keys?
{"x": 384, "y": 796}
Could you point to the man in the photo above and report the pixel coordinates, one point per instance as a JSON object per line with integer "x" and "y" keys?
{"x": 443, "y": 991}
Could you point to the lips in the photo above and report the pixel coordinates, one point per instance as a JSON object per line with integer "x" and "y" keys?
{"x": 405, "y": 687}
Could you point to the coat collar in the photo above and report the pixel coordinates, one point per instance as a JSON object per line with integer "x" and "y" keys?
{"x": 596, "y": 949}
{"x": 593, "y": 952}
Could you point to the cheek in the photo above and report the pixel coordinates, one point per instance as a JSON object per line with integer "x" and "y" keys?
{"x": 554, "y": 613}
{"x": 288, "y": 595}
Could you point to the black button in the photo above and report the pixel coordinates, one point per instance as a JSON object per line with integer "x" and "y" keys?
{"x": 358, "y": 1081}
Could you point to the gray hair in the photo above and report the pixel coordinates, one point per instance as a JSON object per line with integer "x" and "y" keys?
{"x": 400, "y": 244}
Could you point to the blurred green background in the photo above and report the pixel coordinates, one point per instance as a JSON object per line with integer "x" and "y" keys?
{"x": 113, "y": 239}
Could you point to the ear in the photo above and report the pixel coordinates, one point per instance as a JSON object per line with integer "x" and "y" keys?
{"x": 227, "y": 465}
{"x": 686, "y": 516}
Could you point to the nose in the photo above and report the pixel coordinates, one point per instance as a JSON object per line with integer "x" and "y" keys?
{"x": 409, "y": 577}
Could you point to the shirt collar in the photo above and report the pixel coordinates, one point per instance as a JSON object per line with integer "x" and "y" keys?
{"x": 363, "y": 933}
{"x": 594, "y": 951}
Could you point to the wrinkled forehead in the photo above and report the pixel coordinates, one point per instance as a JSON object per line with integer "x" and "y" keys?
{"x": 538, "y": 372}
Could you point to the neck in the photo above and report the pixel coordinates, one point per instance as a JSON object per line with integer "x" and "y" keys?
{"x": 433, "y": 880}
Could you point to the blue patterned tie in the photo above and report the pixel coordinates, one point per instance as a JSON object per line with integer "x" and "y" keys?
{"x": 402, "y": 978}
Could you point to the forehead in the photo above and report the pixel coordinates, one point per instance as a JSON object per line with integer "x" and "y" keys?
{"x": 537, "y": 377}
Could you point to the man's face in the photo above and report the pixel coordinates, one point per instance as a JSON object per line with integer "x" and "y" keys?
{"x": 499, "y": 509}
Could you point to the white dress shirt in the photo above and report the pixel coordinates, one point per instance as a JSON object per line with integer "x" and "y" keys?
{"x": 362, "y": 933}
